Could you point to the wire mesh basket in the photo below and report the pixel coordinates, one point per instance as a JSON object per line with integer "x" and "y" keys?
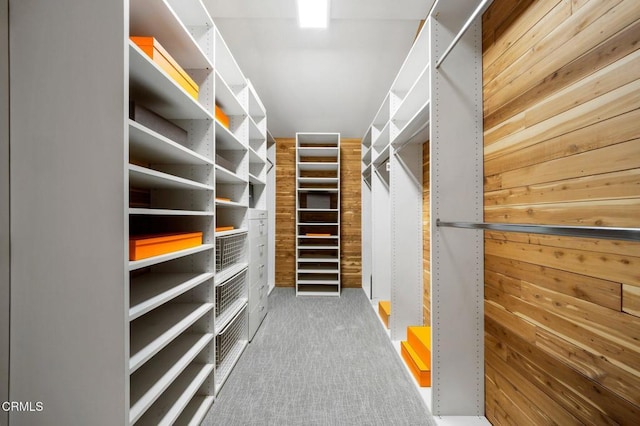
{"x": 230, "y": 249}
{"x": 229, "y": 294}
{"x": 229, "y": 346}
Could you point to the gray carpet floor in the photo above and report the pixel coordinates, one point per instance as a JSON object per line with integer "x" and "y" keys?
{"x": 319, "y": 361}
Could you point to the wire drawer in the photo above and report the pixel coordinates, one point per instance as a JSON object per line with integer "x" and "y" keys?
{"x": 230, "y": 295}
{"x": 230, "y": 249}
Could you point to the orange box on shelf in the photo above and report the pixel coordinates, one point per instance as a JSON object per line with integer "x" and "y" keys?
{"x": 222, "y": 117}
{"x": 161, "y": 57}
{"x": 144, "y": 246}
{"x": 224, "y": 228}
{"x": 314, "y": 234}
{"x": 223, "y": 199}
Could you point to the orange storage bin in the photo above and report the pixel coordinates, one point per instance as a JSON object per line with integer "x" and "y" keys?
{"x": 142, "y": 247}
{"x": 161, "y": 57}
{"x": 222, "y": 117}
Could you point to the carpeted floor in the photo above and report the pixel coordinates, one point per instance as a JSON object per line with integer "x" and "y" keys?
{"x": 319, "y": 361}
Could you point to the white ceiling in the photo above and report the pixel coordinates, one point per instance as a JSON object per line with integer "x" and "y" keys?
{"x": 311, "y": 80}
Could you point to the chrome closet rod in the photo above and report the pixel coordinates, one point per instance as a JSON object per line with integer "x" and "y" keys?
{"x": 479, "y": 10}
{"x": 603, "y": 232}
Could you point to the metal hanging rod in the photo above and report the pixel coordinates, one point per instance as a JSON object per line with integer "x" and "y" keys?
{"x": 602, "y": 232}
{"x": 479, "y": 10}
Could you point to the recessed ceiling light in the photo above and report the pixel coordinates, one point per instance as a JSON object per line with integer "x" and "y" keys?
{"x": 313, "y": 13}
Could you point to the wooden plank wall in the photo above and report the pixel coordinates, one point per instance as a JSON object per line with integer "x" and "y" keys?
{"x": 350, "y": 214}
{"x": 426, "y": 232}
{"x": 562, "y": 146}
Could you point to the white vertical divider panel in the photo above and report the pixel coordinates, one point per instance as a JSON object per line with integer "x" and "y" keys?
{"x": 381, "y": 233}
{"x": 457, "y": 292}
{"x": 271, "y": 215}
{"x": 69, "y": 298}
{"x": 366, "y": 238}
{"x": 4, "y": 207}
{"x": 406, "y": 240}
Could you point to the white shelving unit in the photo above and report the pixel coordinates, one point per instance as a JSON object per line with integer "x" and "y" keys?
{"x": 144, "y": 157}
{"x": 271, "y": 212}
{"x": 448, "y": 95}
{"x": 171, "y": 296}
{"x": 318, "y": 214}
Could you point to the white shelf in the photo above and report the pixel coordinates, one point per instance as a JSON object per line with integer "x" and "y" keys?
{"x": 366, "y": 139}
{"x": 319, "y": 282}
{"x": 381, "y": 157}
{"x": 319, "y": 139}
{"x": 157, "y": 18}
{"x": 229, "y": 272}
{"x": 173, "y": 401}
{"x": 317, "y": 210}
{"x": 383, "y": 138}
{"x": 195, "y": 413}
{"x": 230, "y": 204}
{"x": 151, "y": 380}
{"x": 152, "y": 290}
{"x": 318, "y": 166}
{"x": 226, "y": 65}
{"x": 192, "y": 13}
{"x": 255, "y": 180}
{"x": 318, "y": 152}
{"x": 414, "y": 63}
{"x": 318, "y": 271}
{"x": 227, "y": 99}
{"x": 318, "y": 260}
{"x": 317, "y": 180}
{"x": 158, "y": 149}
{"x": 382, "y": 117}
{"x": 167, "y": 212}
{"x": 416, "y": 130}
{"x": 254, "y": 157}
{"x": 318, "y": 237}
{"x": 144, "y": 263}
{"x": 366, "y": 156}
{"x": 152, "y": 332}
{"x": 254, "y": 131}
{"x": 256, "y": 108}
{"x": 226, "y": 140}
{"x": 318, "y": 189}
{"x": 317, "y": 247}
{"x": 142, "y": 177}
{"x": 415, "y": 99}
{"x": 226, "y": 176}
{"x": 166, "y": 97}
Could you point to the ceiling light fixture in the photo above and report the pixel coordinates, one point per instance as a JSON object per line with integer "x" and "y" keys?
{"x": 313, "y": 13}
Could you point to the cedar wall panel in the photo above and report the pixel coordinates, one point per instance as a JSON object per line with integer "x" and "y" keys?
{"x": 350, "y": 214}
{"x": 561, "y": 83}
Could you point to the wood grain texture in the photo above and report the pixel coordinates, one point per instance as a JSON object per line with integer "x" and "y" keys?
{"x": 426, "y": 234}
{"x": 561, "y": 86}
{"x": 350, "y": 213}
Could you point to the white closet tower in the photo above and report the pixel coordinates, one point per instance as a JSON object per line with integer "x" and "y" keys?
{"x": 107, "y": 337}
{"x": 318, "y": 214}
